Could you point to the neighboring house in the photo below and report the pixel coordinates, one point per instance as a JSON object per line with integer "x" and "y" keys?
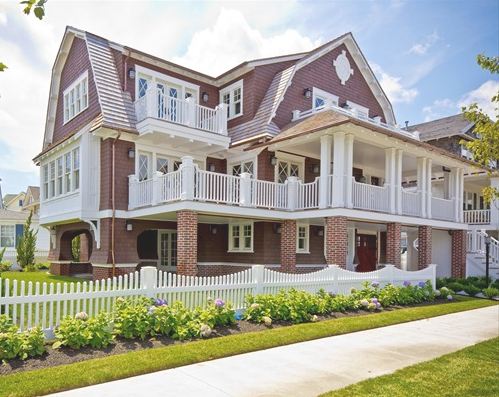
{"x": 482, "y": 218}
{"x": 295, "y": 162}
{"x": 13, "y": 214}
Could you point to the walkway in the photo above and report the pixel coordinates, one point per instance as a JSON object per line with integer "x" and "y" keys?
{"x": 311, "y": 368}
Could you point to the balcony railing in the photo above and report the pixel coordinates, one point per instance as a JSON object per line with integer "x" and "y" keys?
{"x": 477, "y": 217}
{"x": 158, "y": 105}
{"x": 192, "y": 183}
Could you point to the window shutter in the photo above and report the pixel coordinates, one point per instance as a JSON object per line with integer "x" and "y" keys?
{"x": 19, "y": 232}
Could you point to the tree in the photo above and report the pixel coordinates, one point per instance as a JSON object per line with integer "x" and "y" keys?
{"x": 26, "y": 246}
{"x": 38, "y": 7}
{"x": 485, "y": 149}
{"x": 75, "y": 248}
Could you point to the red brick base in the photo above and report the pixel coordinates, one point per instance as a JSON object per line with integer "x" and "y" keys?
{"x": 336, "y": 241}
{"x": 393, "y": 252}
{"x": 187, "y": 243}
{"x": 424, "y": 246}
{"x": 59, "y": 269}
{"x": 99, "y": 273}
{"x": 288, "y": 247}
{"x": 458, "y": 260}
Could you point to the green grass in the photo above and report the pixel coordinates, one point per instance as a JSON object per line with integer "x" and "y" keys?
{"x": 50, "y": 380}
{"x": 40, "y": 276}
{"x": 471, "y": 372}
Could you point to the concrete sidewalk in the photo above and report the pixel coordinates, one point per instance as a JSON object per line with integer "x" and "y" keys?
{"x": 311, "y": 368}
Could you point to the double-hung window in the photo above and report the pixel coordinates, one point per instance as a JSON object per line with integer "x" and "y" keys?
{"x": 76, "y": 169}
{"x": 67, "y": 172}
{"x": 52, "y": 179}
{"x": 302, "y": 239}
{"x": 7, "y": 236}
{"x": 45, "y": 175}
{"x": 241, "y": 237}
{"x": 59, "y": 176}
{"x": 76, "y": 97}
{"x": 62, "y": 175}
{"x": 232, "y": 97}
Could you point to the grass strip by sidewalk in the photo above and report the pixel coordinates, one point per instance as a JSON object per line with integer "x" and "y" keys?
{"x": 471, "y": 372}
{"x": 90, "y": 372}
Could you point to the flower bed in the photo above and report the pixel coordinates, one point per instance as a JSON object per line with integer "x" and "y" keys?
{"x": 472, "y": 286}
{"x": 146, "y": 319}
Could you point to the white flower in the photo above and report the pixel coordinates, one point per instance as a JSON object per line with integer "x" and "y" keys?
{"x": 255, "y": 306}
{"x": 205, "y": 330}
{"x": 81, "y": 316}
{"x": 267, "y": 321}
{"x": 437, "y": 293}
{"x": 314, "y": 318}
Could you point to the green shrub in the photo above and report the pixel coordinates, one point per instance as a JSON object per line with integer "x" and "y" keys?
{"x": 26, "y": 246}
{"x": 15, "y": 344}
{"x": 133, "y": 319}
{"x": 471, "y": 289}
{"x": 491, "y": 292}
{"x": 456, "y": 286}
{"x": 43, "y": 266}
{"x": 79, "y": 331}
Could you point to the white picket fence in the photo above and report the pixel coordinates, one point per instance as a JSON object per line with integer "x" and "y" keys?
{"x": 34, "y": 304}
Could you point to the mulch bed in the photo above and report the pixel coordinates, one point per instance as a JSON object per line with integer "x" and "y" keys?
{"x": 65, "y": 355}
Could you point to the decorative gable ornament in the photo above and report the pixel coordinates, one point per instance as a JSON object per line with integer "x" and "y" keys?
{"x": 342, "y": 66}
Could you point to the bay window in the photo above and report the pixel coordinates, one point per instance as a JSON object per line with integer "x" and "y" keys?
{"x": 232, "y": 97}
{"x": 76, "y": 97}
{"x": 241, "y": 237}
{"x": 62, "y": 175}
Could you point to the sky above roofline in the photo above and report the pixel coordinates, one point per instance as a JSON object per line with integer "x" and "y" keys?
{"x": 423, "y": 52}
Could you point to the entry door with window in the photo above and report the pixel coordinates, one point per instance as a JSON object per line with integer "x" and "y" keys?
{"x": 286, "y": 169}
{"x": 167, "y": 245}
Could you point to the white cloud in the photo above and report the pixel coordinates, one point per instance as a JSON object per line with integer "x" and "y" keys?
{"x": 439, "y": 108}
{"x": 231, "y": 40}
{"x": 423, "y": 47}
{"x": 482, "y": 97}
{"x": 395, "y": 89}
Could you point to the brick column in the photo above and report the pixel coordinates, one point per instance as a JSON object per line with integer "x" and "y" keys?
{"x": 424, "y": 246}
{"x": 458, "y": 260}
{"x": 288, "y": 246}
{"x": 187, "y": 243}
{"x": 84, "y": 248}
{"x": 393, "y": 233}
{"x": 336, "y": 241}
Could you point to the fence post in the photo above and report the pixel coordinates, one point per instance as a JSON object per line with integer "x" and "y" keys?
{"x": 187, "y": 182}
{"x": 391, "y": 276}
{"x": 433, "y": 276}
{"x": 148, "y": 280}
{"x": 257, "y": 272}
{"x": 336, "y": 281}
{"x": 245, "y": 192}
{"x": 292, "y": 192}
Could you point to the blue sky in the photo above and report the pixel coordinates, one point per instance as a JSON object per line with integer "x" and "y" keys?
{"x": 423, "y": 52}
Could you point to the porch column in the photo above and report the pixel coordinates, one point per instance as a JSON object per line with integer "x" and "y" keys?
{"x": 336, "y": 237}
{"x": 348, "y": 170}
{"x": 187, "y": 181}
{"x": 448, "y": 192}
{"x": 428, "y": 187}
{"x": 458, "y": 255}
{"x": 454, "y": 195}
{"x": 393, "y": 252}
{"x": 338, "y": 187}
{"x": 494, "y": 206}
{"x": 187, "y": 243}
{"x": 326, "y": 141}
{"x": 460, "y": 196}
{"x": 288, "y": 246}
{"x": 390, "y": 177}
{"x": 398, "y": 181}
{"x": 421, "y": 184}
{"x": 84, "y": 248}
{"x": 424, "y": 246}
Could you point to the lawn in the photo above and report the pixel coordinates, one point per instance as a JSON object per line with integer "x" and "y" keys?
{"x": 472, "y": 371}
{"x": 59, "y": 378}
{"x": 40, "y": 276}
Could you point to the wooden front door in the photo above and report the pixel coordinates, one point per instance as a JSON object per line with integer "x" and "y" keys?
{"x": 366, "y": 252}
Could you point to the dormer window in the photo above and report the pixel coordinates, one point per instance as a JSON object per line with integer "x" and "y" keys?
{"x": 232, "y": 97}
{"x": 76, "y": 97}
{"x": 322, "y": 98}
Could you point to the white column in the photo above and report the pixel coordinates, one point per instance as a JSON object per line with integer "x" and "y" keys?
{"x": 390, "y": 177}
{"x": 187, "y": 171}
{"x": 421, "y": 182}
{"x": 156, "y": 187}
{"x": 348, "y": 169}
{"x": 326, "y": 141}
{"x": 338, "y": 187}
{"x": 461, "y": 193}
{"x": 454, "y": 195}
{"x": 428, "y": 187}
{"x": 350, "y": 248}
{"x": 292, "y": 182}
{"x": 245, "y": 190}
{"x": 398, "y": 181}
{"x": 494, "y": 206}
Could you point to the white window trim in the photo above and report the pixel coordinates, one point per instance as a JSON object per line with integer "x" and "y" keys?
{"x": 360, "y": 109}
{"x": 73, "y": 85}
{"x": 73, "y": 191}
{"x": 241, "y": 229}
{"x": 305, "y": 250}
{"x": 230, "y": 89}
{"x": 321, "y": 93}
{"x": 290, "y": 158}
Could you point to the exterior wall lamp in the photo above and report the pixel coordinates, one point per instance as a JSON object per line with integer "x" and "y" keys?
{"x": 211, "y": 167}
{"x": 129, "y": 226}
{"x": 131, "y": 73}
{"x": 131, "y": 153}
{"x": 213, "y": 229}
{"x": 205, "y": 97}
{"x": 307, "y": 93}
{"x": 273, "y": 160}
{"x": 315, "y": 168}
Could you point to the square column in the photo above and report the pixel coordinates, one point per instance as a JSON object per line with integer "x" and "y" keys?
{"x": 428, "y": 187}
{"x": 424, "y": 246}
{"x": 390, "y": 177}
{"x": 338, "y": 188}
{"x": 458, "y": 255}
{"x": 421, "y": 183}
{"x": 398, "y": 181}
{"x": 324, "y": 188}
{"x": 187, "y": 243}
{"x": 393, "y": 248}
{"x": 288, "y": 246}
{"x": 348, "y": 170}
{"x": 336, "y": 241}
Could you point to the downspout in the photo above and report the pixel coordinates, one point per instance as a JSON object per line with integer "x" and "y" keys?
{"x": 113, "y": 201}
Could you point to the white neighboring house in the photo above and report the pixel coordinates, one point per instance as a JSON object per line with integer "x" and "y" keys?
{"x": 14, "y": 210}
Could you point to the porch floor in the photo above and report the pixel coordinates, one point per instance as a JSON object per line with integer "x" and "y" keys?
{"x": 314, "y": 367}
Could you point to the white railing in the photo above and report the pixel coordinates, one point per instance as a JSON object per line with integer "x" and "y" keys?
{"x": 213, "y": 186}
{"x": 370, "y": 197}
{"x": 140, "y": 192}
{"x": 442, "y": 209}
{"x": 157, "y": 104}
{"x": 269, "y": 194}
{"x": 476, "y": 240}
{"x": 477, "y": 217}
{"x": 411, "y": 203}
{"x": 34, "y": 304}
{"x": 170, "y": 186}
{"x": 308, "y": 195}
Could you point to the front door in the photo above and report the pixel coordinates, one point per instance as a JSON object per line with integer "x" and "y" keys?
{"x": 167, "y": 250}
{"x": 366, "y": 252}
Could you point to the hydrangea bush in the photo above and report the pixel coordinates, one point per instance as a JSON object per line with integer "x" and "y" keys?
{"x": 15, "y": 344}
